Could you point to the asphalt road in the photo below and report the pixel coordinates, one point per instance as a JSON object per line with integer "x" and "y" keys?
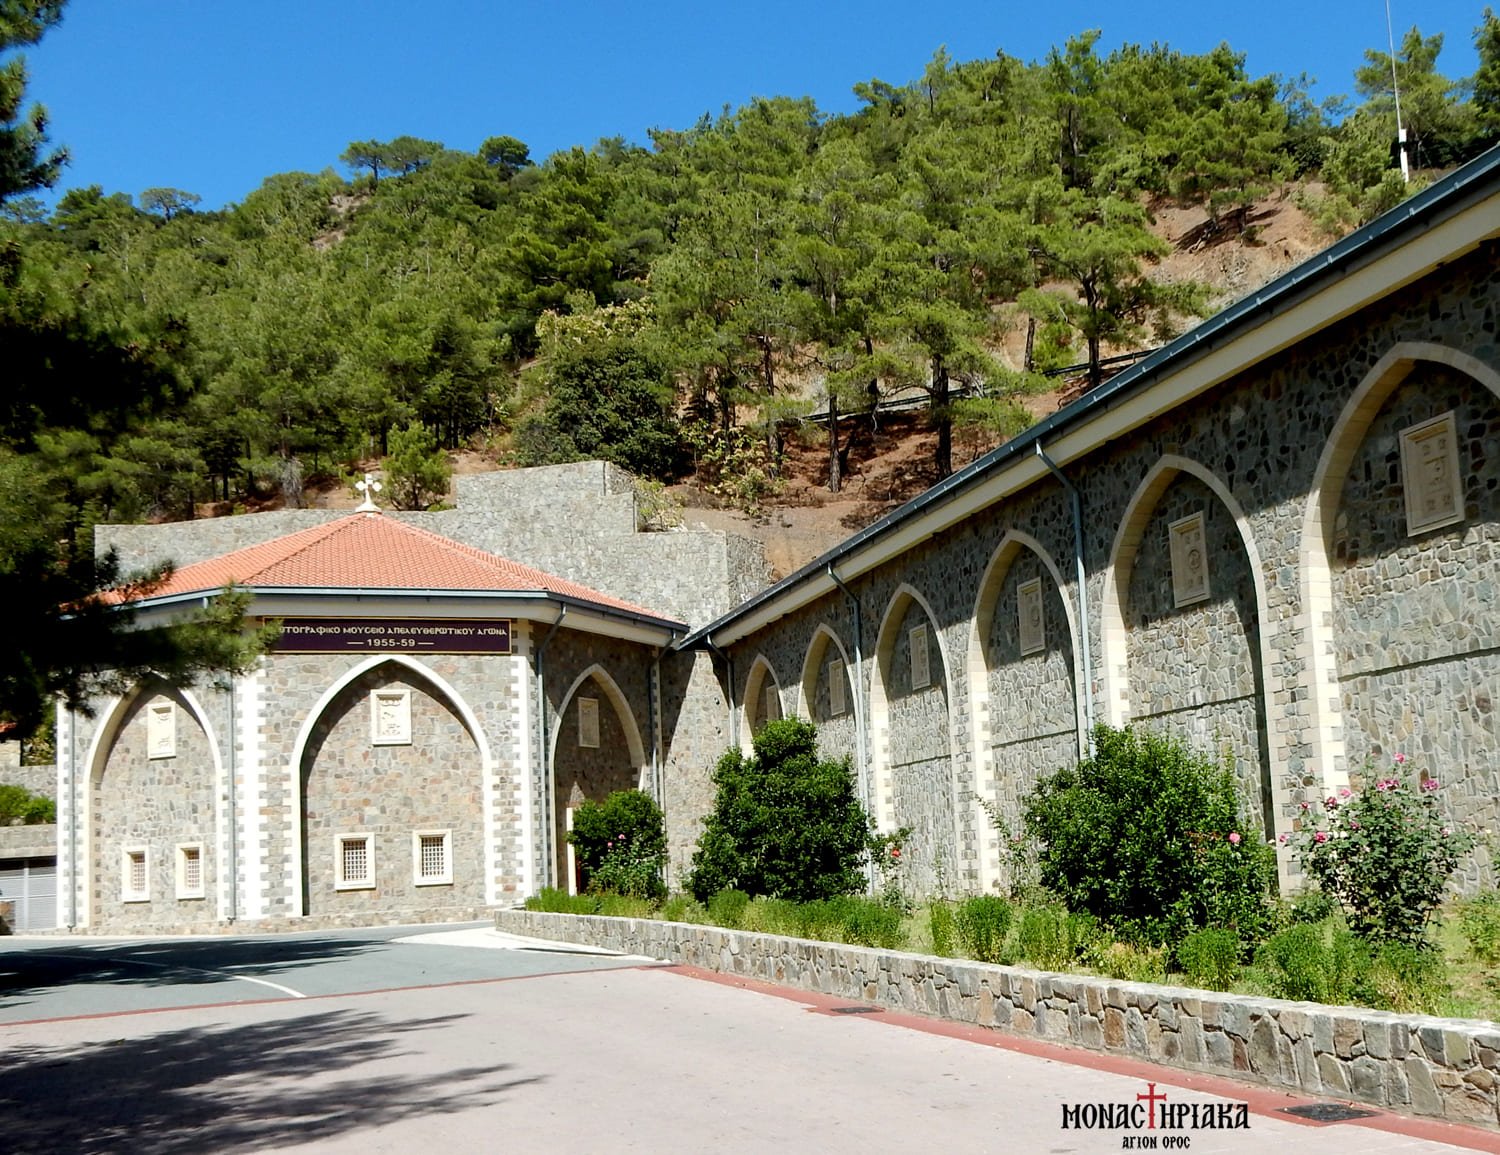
{"x": 402, "y": 1040}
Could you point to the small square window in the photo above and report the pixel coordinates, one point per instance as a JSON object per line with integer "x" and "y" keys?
{"x": 161, "y": 729}
{"x": 354, "y": 862}
{"x": 390, "y": 717}
{"x": 921, "y": 669}
{"x": 836, "y": 703}
{"x": 432, "y": 857}
{"x": 190, "y": 870}
{"x": 135, "y": 874}
{"x": 588, "y": 723}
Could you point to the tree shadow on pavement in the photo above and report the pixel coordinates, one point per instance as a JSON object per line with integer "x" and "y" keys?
{"x": 260, "y": 1086}
{"x": 164, "y": 962}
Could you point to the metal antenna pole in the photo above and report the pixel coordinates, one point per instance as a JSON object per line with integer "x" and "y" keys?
{"x": 1396, "y": 93}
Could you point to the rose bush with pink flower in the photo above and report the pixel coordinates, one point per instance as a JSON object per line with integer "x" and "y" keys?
{"x": 1384, "y": 855}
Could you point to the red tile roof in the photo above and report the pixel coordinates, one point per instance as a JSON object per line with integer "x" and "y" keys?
{"x": 368, "y": 551}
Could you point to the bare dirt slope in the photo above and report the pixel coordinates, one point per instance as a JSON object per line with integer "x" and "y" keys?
{"x": 893, "y": 463}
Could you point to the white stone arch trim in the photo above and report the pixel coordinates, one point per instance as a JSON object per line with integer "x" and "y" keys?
{"x": 817, "y": 648}
{"x": 111, "y": 718}
{"x": 1315, "y": 622}
{"x": 293, "y": 833}
{"x": 880, "y": 711}
{"x": 634, "y": 746}
{"x": 755, "y": 682}
{"x": 1115, "y": 644}
{"x": 977, "y": 670}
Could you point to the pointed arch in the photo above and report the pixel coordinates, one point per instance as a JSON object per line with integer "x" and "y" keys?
{"x": 884, "y": 740}
{"x": 754, "y": 698}
{"x": 1326, "y": 737}
{"x": 981, "y": 712}
{"x": 812, "y": 663}
{"x": 634, "y": 745}
{"x": 1115, "y": 639}
{"x": 449, "y": 695}
{"x": 112, "y": 718}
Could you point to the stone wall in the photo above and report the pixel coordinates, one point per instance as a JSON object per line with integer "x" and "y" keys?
{"x": 36, "y": 841}
{"x": 577, "y": 521}
{"x": 1415, "y": 1064}
{"x": 696, "y": 731}
{"x": 1401, "y": 653}
{"x": 155, "y": 805}
{"x": 390, "y": 792}
{"x": 37, "y": 779}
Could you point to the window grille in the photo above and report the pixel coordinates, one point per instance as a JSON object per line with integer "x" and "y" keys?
{"x": 355, "y": 866}
{"x": 431, "y": 857}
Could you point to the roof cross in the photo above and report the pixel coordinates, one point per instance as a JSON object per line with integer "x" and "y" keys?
{"x": 369, "y": 487}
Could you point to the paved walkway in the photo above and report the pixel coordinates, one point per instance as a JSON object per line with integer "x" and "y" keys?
{"x": 435, "y": 1042}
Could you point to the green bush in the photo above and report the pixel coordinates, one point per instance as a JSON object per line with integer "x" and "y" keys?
{"x": 624, "y": 905}
{"x": 784, "y": 824}
{"x": 551, "y": 900}
{"x": 19, "y": 805}
{"x": 1385, "y": 854}
{"x": 727, "y": 908}
{"x": 983, "y": 922}
{"x": 1134, "y": 964}
{"x": 774, "y": 916}
{"x": 1479, "y": 919}
{"x": 1149, "y": 838}
{"x": 944, "y": 930}
{"x": 684, "y": 908}
{"x": 621, "y": 845}
{"x": 1319, "y": 964}
{"x": 1403, "y": 978}
{"x": 1043, "y": 937}
{"x": 870, "y": 922}
{"x": 1210, "y": 958}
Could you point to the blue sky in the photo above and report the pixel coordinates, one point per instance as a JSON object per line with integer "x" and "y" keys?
{"x": 212, "y": 96}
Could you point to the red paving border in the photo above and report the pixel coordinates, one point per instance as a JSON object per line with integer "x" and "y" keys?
{"x": 1262, "y": 1100}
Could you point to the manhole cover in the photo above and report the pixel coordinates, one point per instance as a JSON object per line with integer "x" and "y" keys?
{"x": 1327, "y": 1112}
{"x": 853, "y": 1010}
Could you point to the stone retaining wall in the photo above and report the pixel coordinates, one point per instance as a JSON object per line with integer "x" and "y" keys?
{"x": 1416, "y": 1064}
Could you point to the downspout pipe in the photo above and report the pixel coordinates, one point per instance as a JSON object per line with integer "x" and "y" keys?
{"x": 549, "y": 800}
{"x": 1081, "y": 578}
{"x": 74, "y": 874}
{"x": 862, "y": 765}
{"x": 734, "y": 718}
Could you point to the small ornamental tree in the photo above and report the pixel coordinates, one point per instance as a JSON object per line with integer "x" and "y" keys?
{"x": 1149, "y": 838}
{"x": 416, "y": 468}
{"x": 621, "y": 844}
{"x": 784, "y": 824}
{"x": 1384, "y": 854}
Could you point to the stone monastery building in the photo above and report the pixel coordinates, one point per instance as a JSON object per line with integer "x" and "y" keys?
{"x": 1278, "y": 537}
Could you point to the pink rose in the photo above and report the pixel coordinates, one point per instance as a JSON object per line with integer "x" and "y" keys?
{"x": 1430, "y": 784}
{"x": 1234, "y": 838}
{"x": 1320, "y": 836}
{"x": 1399, "y": 759}
{"x": 1345, "y": 792}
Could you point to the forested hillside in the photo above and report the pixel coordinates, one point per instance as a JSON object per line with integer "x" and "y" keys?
{"x": 667, "y": 307}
